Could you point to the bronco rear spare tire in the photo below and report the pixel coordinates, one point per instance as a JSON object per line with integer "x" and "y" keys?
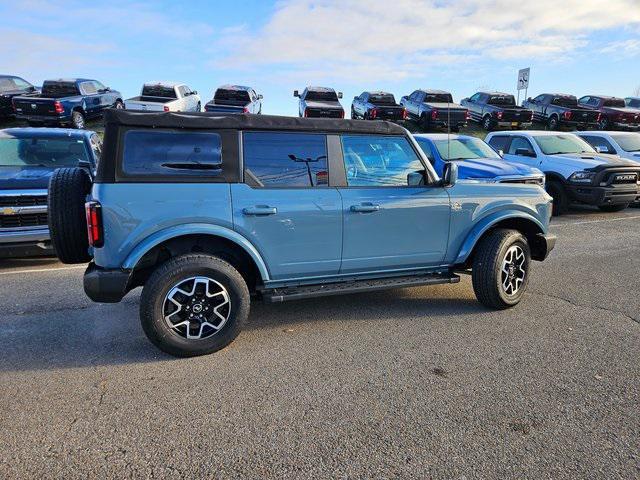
{"x": 68, "y": 189}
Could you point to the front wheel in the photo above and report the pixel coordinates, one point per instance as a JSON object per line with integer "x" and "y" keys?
{"x": 613, "y": 208}
{"x": 560, "y": 197}
{"x": 501, "y": 268}
{"x": 193, "y": 305}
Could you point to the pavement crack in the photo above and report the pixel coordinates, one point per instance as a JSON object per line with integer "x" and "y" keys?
{"x": 595, "y": 307}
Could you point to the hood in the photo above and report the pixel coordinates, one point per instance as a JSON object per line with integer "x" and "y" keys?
{"x": 491, "y": 168}
{"x": 593, "y": 161}
{"x": 323, "y": 104}
{"x": 17, "y": 178}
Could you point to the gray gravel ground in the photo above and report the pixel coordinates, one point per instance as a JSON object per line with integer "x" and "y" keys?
{"x": 412, "y": 383}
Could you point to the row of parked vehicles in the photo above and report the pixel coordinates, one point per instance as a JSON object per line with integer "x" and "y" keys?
{"x": 73, "y": 101}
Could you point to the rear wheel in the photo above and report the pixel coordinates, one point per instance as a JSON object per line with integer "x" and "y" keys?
{"x": 193, "y": 305}
{"x": 424, "y": 123}
{"x": 77, "y": 119}
{"x": 68, "y": 189}
{"x": 501, "y": 268}
{"x": 560, "y": 197}
{"x": 199, "y": 107}
{"x": 613, "y": 208}
{"x": 487, "y": 124}
{"x": 603, "y": 124}
{"x": 552, "y": 123}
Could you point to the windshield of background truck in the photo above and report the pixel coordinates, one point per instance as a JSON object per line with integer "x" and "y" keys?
{"x": 464, "y": 149}
{"x": 558, "y": 144}
{"x": 629, "y": 143}
{"x": 42, "y": 152}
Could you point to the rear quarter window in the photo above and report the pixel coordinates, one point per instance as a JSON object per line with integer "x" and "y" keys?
{"x": 173, "y": 153}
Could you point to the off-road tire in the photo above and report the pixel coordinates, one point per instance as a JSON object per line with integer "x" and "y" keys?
{"x": 613, "y": 208}
{"x": 560, "y": 197}
{"x": 553, "y": 122}
{"x": 171, "y": 273}
{"x": 68, "y": 189}
{"x": 487, "y": 268}
{"x": 487, "y": 124}
{"x": 77, "y": 120}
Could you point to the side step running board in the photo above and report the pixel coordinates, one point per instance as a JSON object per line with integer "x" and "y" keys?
{"x": 285, "y": 294}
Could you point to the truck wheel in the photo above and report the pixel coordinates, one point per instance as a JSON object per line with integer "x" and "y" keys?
{"x": 603, "y": 124}
{"x": 77, "y": 119}
{"x": 501, "y": 268}
{"x": 424, "y": 123}
{"x": 199, "y": 107}
{"x": 455, "y": 129}
{"x": 552, "y": 123}
{"x": 68, "y": 189}
{"x": 560, "y": 198}
{"x": 353, "y": 113}
{"x": 194, "y": 304}
{"x": 486, "y": 123}
{"x": 613, "y": 208}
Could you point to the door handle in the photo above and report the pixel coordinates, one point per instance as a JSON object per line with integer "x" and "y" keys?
{"x": 365, "y": 208}
{"x": 259, "y": 210}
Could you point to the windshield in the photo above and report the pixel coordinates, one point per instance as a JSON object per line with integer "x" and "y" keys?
{"x": 558, "y": 144}
{"x": 438, "y": 98}
{"x": 42, "y": 152}
{"x": 382, "y": 99}
{"x": 320, "y": 96}
{"x": 11, "y": 84}
{"x": 158, "y": 91}
{"x": 629, "y": 143}
{"x": 465, "y": 149}
{"x": 503, "y": 100}
{"x": 615, "y": 103}
{"x": 59, "y": 89}
{"x": 231, "y": 95}
{"x": 568, "y": 102}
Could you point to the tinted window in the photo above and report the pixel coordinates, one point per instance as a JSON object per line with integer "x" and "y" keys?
{"x": 315, "y": 95}
{"x": 633, "y": 102}
{"x": 167, "y": 152}
{"x": 382, "y": 99}
{"x": 59, "y": 89}
{"x": 376, "y": 161}
{"x": 438, "y": 98}
{"x": 285, "y": 159}
{"x": 568, "y": 102}
{"x": 475, "y": 97}
{"x": 499, "y": 142}
{"x": 224, "y": 95}
{"x": 519, "y": 143}
{"x": 615, "y": 103}
{"x": 9, "y": 84}
{"x": 42, "y": 152}
{"x": 158, "y": 91}
{"x": 503, "y": 100}
{"x": 599, "y": 143}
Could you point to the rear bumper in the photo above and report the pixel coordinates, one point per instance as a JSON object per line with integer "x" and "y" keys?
{"x": 626, "y": 126}
{"x": 45, "y": 119}
{"x": 105, "y": 285}
{"x": 444, "y": 124}
{"x": 577, "y": 124}
{"x": 542, "y": 246}
{"x": 611, "y": 195}
{"x": 502, "y": 124}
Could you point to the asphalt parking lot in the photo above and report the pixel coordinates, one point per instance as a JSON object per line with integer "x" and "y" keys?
{"x": 412, "y": 383}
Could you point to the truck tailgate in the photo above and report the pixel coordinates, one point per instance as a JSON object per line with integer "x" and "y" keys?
{"x": 223, "y": 108}
{"x": 35, "y": 106}
{"x": 148, "y": 106}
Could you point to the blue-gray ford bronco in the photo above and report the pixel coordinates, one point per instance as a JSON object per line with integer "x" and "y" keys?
{"x": 207, "y": 213}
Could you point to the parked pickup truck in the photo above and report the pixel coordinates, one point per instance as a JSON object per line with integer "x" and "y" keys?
{"x": 475, "y": 160}
{"x": 574, "y": 171}
{"x": 614, "y": 113}
{"x": 165, "y": 97}
{"x": 67, "y": 102}
{"x": 377, "y": 106}
{"x": 623, "y": 144}
{"x": 558, "y": 110}
{"x": 235, "y": 99}
{"x": 497, "y": 110}
{"x": 320, "y": 102}
{"x": 11, "y": 87}
{"x": 28, "y": 157}
{"x": 633, "y": 102}
{"x": 373, "y": 214}
{"x": 435, "y": 109}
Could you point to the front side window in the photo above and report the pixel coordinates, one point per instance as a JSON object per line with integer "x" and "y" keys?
{"x": 42, "y": 152}
{"x": 88, "y": 88}
{"x": 98, "y": 86}
{"x": 599, "y": 142}
{"x": 475, "y": 97}
{"x": 520, "y": 143}
{"x": 464, "y": 149}
{"x": 169, "y": 152}
{"x": 499, "y": 142}
{"x": 560, "y": 144}
{"x": 633, "y": 102}
{"x": 285, "y": 159}
{"x": 614, "y": 103}
{"x": 10, "y": 84}
{"x": 377, "y": 161}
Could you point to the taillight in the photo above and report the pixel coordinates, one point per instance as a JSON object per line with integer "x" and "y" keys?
{"x": 499, "y": 115}
{"x": 467, "y": 115}
{"x": 306, "y": 113}
{"x": 58, "y": 107}
{"x": 598, "y": 117}
{"x": 374, "y": 113}
{"x": 567, "y": 115}
{"x": 245, "y": 110}
{"x": 13, "y": 104}
{"x": 531, "y": 117}
{"x": 434, "y": 114}
{"x": 341, "y": 113}
{"x": 94, "y": 224}
{"x": 165, "y": 108}
{"x": 405, "y": 115}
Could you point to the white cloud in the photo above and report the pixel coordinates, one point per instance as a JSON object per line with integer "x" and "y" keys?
{"x": 624, "y": 48}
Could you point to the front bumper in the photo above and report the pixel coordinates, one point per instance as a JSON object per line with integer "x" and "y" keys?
{"x": 542, "y": 246}
{"x": 609, "y": 195}
{"x": 105, "y": 285}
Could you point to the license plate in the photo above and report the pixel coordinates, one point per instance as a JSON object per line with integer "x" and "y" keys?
{"x": 514, "y": 124}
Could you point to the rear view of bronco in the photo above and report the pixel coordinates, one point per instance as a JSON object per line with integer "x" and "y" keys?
{"x": 207, "y": 213}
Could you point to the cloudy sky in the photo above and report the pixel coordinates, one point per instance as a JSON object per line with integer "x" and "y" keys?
{"x": 573, "y": 46}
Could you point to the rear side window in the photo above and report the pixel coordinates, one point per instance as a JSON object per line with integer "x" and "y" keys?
{"x": 156, "y": 153}
{"x": 285, "y": 159}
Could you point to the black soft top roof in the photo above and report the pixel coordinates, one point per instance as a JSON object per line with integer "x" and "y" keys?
{"x": 205, "y": 121}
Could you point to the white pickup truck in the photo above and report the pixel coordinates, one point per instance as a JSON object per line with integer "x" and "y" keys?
{"x": 165, "y": 96}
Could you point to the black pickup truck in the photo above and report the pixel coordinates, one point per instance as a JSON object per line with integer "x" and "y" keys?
{"x": 434, "y": 109}
{"x": 497, "y": 110}
{"x": 10, "y": 87}
{"x": 319, "y": 102}
{"x": 377, "y": 106}
{"x": 557, "y": 110}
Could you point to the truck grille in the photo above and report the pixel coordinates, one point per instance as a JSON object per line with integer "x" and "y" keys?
{"x": 23, "y": 220}
{"x": 22, "y": 200}
{"x": 624, "y": 178}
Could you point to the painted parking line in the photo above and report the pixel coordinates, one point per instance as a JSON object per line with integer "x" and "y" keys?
{"x": 603, "y": 220}
{"x": 41, "y": 270}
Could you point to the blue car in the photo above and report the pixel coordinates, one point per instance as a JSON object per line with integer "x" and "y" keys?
{"x": 475, "y": 159}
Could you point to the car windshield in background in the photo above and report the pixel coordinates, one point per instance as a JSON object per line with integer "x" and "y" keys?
{"x": 158, "y": 91}
{"x": 629, "y": 143}
{"x": 559, "y": 144}
{"x": 12, "y": 84}
{"x": 615, "y": 103}
{"x": 503, "y": 101}
{"x": 42, "y": 152}
{"x": 321, "y": 96}
{"x": 382, "y": 99}
{"x": 231, "y": 96}
{"x": 568, "y": 102}
{"x": 438, "y": 98}
{"x": 59, "y": 90}
{"x": 464, "y": 149}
